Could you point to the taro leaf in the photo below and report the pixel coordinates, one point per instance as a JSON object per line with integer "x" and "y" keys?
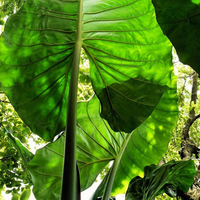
{"x": 46, "y": 170}
{"x": 97, "y": 145}
{"x": 170, "y": 178}
{"x": 147, "y": 144}
{"x": 129, "y": 56}
{"x": 25, "y": 154}
{"x": 179, "y": 21}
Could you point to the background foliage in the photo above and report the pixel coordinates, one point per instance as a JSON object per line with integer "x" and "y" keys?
{"x": 14, "y": 173}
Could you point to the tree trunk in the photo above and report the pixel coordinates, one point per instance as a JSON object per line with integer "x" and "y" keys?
{"x": 188, "y": 147}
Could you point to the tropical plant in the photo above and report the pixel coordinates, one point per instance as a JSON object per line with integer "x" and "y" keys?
{"x": 181, "y": 28}
{"x": 130, "y": 153}
{"x": 172, "y": 178}
{"x": 13, "y": 171}
{"x": 8, "y": 7}
{"x": 131, "y": 74}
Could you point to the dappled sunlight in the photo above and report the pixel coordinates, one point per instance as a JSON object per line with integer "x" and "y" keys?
{"x": 131, "y": 71}
{"x": 137, "y": 172}
{"x": 173, "y": 107}
{"x": 124, "y": 184}
{"x": 154, "y": 142}
{"x": 160, "y": 127}
{"x": 152, "y": 126}
{"x": 169, "y": 119}
{"x": 196, "y": 2}
{"x": 150, "y": 136}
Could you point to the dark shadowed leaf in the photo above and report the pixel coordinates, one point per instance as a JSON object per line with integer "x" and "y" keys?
{"x": 1, "y": 22}
{"x": 169, "y": 178}
{"x": 98, "y": 144}
{"x": 129, "y": 56}
{"x": 179, "y": 21}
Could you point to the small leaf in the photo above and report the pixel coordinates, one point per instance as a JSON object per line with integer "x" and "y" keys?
{"x": 1, "y": 22}
{"x": 25, "y": 154}
{"x": 26, "y": 194}
{"x": 15, "y": 197}
{"x": 8, "y": 191}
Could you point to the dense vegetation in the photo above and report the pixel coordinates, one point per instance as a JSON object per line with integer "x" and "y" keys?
{"x": 132, "y": 76}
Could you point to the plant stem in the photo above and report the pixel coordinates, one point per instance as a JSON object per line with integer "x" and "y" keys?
{"x": 69, "y": 181}
{"x": 112, "y": 174}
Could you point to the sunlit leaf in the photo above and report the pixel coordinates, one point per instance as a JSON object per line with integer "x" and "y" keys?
{"x": 25, "y": 194}
{"x": 170, "y": 178}
{"x": 129, "y": 56}
{"x": 98, "y": 144}
{"x": 15, "y": 197}
{"x": 179, "y": 21}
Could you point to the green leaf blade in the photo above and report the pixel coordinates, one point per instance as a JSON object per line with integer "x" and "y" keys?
{"x": 50, "y": 185}
{"x": 172, "y": 177}
{"x": 122, "y": 42}
{"x": 26, "y": 194}
{"x": 125, "y": 47}
{"x": 98, "y": 144}
{"x": 179, "y": 24}
{"x": 43, "y": 90}
{"x": 148, "y": 142}
{"x": 15, "y": 197}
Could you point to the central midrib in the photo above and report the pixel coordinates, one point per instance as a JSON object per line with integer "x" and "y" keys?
{"x": 79, "y": 26}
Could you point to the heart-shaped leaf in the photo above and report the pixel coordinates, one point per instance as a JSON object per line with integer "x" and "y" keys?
{"x": 129, "y": 56}
{"x": 98, "y": 144}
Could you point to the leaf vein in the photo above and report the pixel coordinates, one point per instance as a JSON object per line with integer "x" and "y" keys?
{"x": 119, "y": 19}
{"x": 51, "y": 10}
{"x": 41, "y": 14}
{"x": 113, "y": 8}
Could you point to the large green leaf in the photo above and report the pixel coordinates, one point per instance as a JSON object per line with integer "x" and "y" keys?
{"x": 170, "y": 178}
{"x": 97, "y": 145}
{"x": 179, "y": 21}
{"x": 130, "y": 60}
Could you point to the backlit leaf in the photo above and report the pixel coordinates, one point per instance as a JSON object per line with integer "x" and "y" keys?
{"x": 129, "y": 56}
{"x": 98, "y": 144}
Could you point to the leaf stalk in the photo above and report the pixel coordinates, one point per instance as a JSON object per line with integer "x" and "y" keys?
{"x": 114, "y": 168}
{"x": 70, "y": 175}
